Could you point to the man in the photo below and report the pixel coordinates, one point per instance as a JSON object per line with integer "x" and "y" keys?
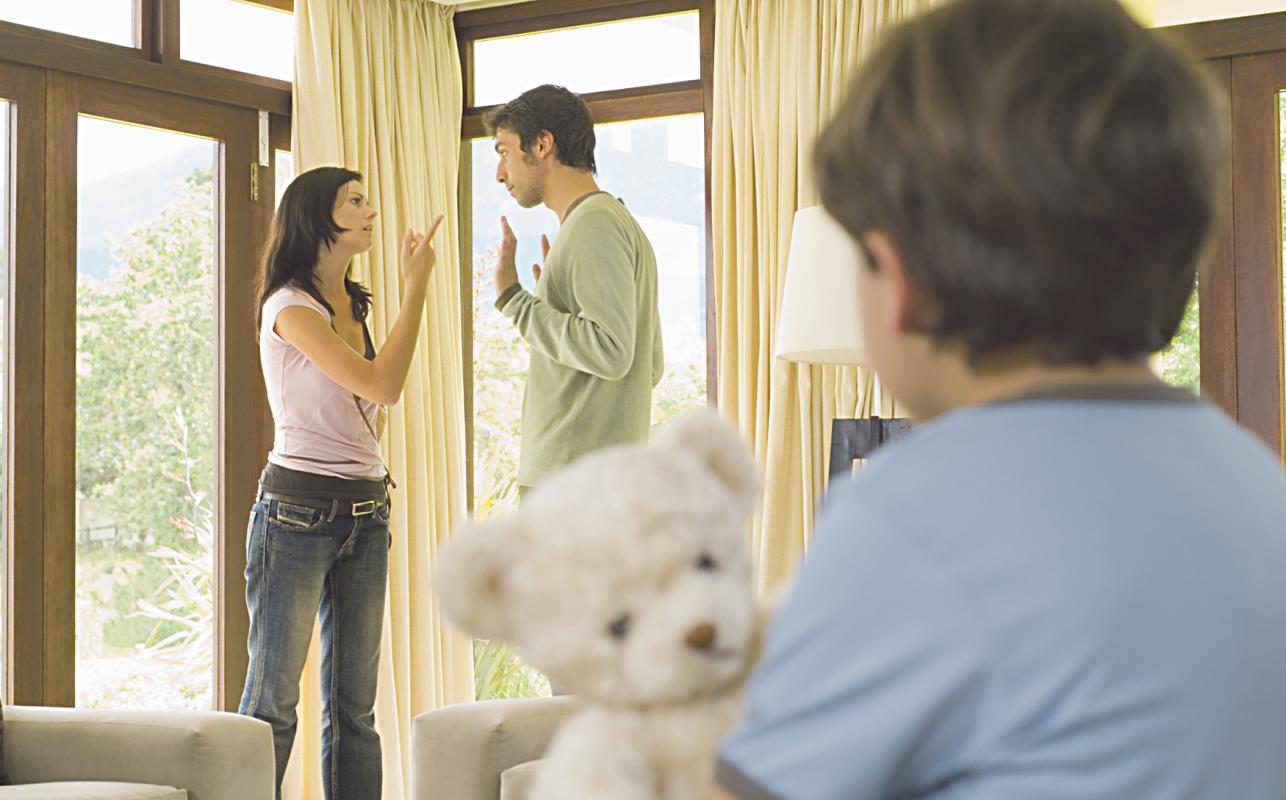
{"x": 1070, "y": 581}
{"x": 592, "y": 321}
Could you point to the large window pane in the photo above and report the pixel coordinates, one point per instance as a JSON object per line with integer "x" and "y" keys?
{"x": 104, "y": 20}
{"x": 145, "y": 401}
{"x": 285, "y": 172}
{"x": 594, "y": 58}
{"x": 5, "y": 249}
{"x": 658, "y": 168}
{"x": 238, "y": 35}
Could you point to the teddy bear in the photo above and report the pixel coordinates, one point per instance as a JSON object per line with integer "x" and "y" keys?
{"x": 626, "y": 579}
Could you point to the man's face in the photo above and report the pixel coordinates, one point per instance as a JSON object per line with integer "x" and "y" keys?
{"x": 517, "y": 170}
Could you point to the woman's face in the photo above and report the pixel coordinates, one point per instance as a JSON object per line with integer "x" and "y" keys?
{"x": 356, "y": 217}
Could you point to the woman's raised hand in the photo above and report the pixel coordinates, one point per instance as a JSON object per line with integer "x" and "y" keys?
{"x": 418, "y": 257}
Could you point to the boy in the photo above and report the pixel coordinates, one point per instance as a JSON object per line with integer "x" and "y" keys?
{"x": 1070, "y": 581}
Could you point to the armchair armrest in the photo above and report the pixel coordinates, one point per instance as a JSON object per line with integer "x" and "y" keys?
{"x": 213, "y": 755}
{"x": 458, "y": 752}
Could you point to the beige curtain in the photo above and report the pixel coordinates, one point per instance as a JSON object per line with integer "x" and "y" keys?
{"x": 1144, "y": 10}
{"x": 378, "y": 89}
{"x": 780, "y": 70}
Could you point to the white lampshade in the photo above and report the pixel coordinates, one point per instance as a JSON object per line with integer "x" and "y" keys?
{"x": 819, "y": 313}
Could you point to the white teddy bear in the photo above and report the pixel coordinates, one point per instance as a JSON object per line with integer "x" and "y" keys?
{"x": 626, "y": 578}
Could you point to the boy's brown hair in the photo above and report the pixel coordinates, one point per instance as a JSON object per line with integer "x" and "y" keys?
{"x": 1048, "y": 169}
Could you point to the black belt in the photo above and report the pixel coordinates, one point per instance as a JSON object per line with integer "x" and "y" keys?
{"x": 335, "y": 507}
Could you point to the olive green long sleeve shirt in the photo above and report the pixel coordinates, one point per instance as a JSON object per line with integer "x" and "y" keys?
{"x": 595, "y": 337}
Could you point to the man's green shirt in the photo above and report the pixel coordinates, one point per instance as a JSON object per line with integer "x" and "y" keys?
{"x": 595, "y": 337}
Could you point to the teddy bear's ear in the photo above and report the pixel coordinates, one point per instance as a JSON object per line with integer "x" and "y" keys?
{"x": 470, "y": 577}
{"x": 719, "y": 445}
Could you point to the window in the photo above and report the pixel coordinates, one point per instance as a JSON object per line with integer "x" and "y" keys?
{"x": 238, "y": 35}
{"x": 285, "y": 173}
{"x": 145, "y": 411}
{"x": 592, "y": 58}
{"x": 105, "y": 20}
{"x": 651, "y": 153}
{"x": 148, "y": 347}
{"x": 1240, "y": 319}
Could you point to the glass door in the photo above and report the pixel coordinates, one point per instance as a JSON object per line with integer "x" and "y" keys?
{"x": 147, "y": 218}
{"x": 170, "y": 205}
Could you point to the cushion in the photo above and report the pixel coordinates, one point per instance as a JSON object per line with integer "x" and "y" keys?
{"x": 93, "y": 790}
{"x": 515, "y": 782}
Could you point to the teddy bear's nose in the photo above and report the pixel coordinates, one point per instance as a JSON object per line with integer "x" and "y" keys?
{"x": 701, "y": 637}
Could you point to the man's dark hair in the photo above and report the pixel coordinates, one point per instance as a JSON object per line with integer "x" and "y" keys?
{"x": 549, "y": 108}
{"x": 1048, "y": 169}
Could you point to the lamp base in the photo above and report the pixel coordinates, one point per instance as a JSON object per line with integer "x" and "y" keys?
{"x": 852, "y": 439}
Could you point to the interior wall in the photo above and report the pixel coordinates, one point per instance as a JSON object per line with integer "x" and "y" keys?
{"x": 1178, "y": 12}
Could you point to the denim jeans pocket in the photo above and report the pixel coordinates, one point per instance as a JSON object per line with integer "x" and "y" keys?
{"x": 255, "y": 523}
{"x": 294, "y": 518}
{"x": 380, "y": 517}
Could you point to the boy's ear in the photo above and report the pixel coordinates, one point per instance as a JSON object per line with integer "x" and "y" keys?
{"x": 899, "y": 294}
{"x": 470, "y": 577}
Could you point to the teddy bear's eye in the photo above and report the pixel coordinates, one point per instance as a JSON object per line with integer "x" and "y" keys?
{"x": 620, "y": 626}
{"x": 706, "y": 564}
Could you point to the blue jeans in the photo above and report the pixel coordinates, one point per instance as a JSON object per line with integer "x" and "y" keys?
{"x": 300, "y": 561}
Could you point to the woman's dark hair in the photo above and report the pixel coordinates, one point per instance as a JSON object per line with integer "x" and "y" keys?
{"x": 549, "y": 108}
{"x": 304, "y": 222}
{"x": 1049, "y": 170}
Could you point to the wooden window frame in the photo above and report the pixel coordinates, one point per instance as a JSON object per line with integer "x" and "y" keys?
{"x": 52, "y": 78}
{"x": 154, "y": 61}
{"x": 1241, "y": 290}
{"x": 618, "y": 105}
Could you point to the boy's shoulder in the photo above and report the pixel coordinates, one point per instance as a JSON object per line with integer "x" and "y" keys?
{"x": 1057, "y": 447}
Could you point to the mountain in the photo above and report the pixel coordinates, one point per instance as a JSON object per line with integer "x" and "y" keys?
{"x": 107, "y": 210}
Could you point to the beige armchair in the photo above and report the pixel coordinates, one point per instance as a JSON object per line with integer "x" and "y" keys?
{"x": 52, "y": 753}
{"x": 478, "y": 751}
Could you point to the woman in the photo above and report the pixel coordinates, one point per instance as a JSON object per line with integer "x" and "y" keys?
{"x": 319, "y": 535}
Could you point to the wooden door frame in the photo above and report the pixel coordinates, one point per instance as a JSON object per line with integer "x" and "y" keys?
{"x": 27, "y": 584}
{"x": 242, "y": 440}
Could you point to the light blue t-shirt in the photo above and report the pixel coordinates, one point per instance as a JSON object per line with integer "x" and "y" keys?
{"x": 1059, "y": 597}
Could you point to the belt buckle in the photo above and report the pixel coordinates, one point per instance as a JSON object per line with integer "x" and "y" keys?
{"x": 363, "y": 508}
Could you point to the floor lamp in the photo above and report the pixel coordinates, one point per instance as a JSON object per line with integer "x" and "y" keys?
{"x": 820, "y": 325}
